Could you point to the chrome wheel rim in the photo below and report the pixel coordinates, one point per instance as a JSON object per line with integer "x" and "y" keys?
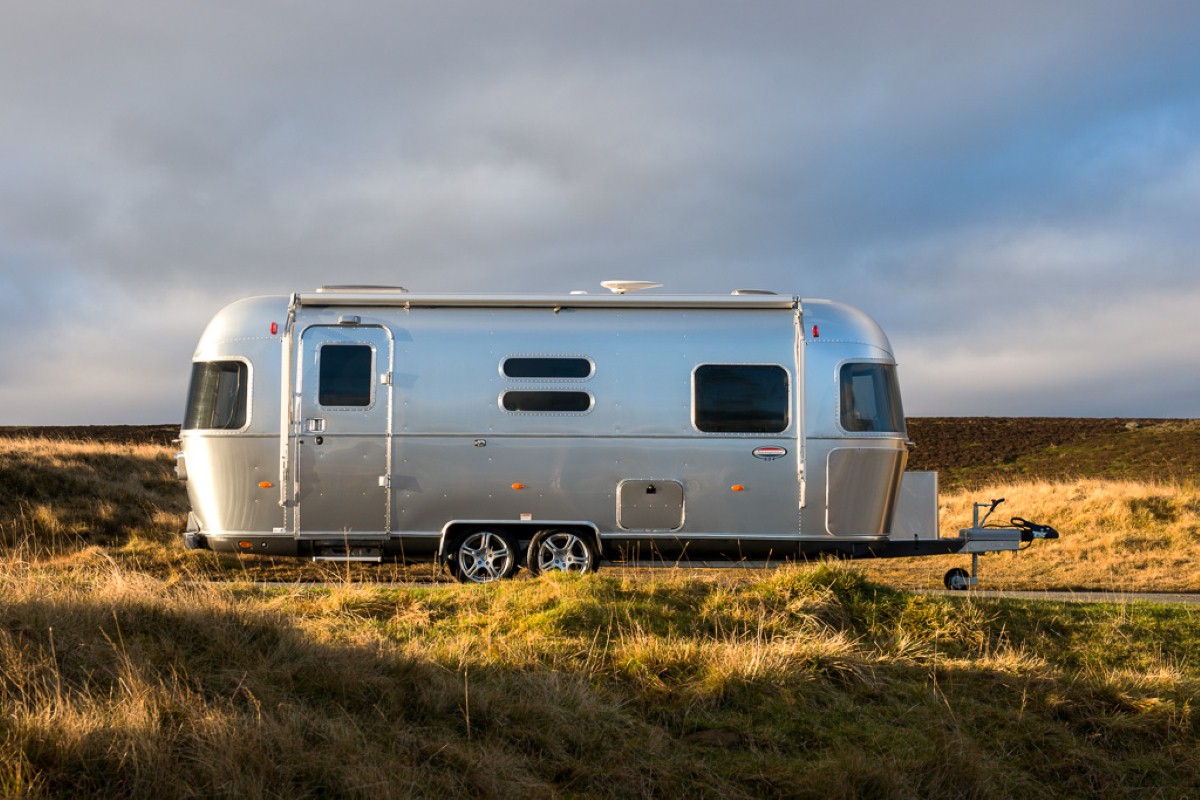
{"x": 563, "y": 552}
{"x": 484, "y": 557}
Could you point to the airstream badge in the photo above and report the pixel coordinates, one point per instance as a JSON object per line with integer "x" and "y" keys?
{"x": 769, "y": 453}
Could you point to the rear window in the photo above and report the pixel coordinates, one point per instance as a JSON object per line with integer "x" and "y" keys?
{"x": 346, "y": 372}
{"x": 218, "y": 398}
{"x": 871, "y": 399}
{"x": 740, "y": 398}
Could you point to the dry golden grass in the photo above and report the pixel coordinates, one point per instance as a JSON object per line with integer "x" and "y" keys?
{"x": 805, "y": 682}
{"x": 57, "y": 495}
{"x": 1116, "y": 536}
{"x": 125, "y": 671}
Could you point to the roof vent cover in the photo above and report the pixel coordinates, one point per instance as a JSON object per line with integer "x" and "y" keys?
{"x": 622, "y": 287}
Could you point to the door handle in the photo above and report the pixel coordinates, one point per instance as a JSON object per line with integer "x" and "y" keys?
{"x": 314, "y": 425}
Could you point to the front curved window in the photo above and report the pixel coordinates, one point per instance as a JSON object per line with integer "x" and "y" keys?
{"x": 871, "y": 399}
{"x": 219, "y": 396}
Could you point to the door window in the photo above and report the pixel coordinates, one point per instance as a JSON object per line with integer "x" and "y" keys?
{"x": 346, "y": 375}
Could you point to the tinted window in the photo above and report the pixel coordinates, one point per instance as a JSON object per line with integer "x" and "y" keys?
{"x": 740, "y": 399}
{"x": 547, "y": 402}
{"x": 871, "y": 398}
{"x": 577, "y": 368}
{"x": 346, "y": 375}
{"x": 218, "y": 397}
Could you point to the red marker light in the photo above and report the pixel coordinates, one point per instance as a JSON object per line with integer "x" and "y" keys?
{"x": 274, "y": 328}
{"x": 816, "y": 332}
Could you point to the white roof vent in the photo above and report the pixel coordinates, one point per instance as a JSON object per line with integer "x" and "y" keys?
{"x": 621, "y": 287}
{"x": 743, "y": 292}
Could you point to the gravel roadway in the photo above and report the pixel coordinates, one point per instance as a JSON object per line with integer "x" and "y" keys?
{"x": 1073, "y": 597}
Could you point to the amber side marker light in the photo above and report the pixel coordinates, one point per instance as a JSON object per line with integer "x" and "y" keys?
{"x": 737, "y": 487}
{"x": 245, "y": 545}
{"x": 265, "y": 485}
{"x": 518, "y": 486}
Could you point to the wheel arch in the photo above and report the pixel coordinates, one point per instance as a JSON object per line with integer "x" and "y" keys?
{"x": 522, "y": 530}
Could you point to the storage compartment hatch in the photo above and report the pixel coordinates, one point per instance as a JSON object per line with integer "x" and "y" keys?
{"x": 650, "y": 505}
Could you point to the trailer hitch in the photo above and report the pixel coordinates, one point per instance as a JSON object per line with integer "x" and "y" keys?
{"x": 982, "y": 538}
{"x": 1033, "y": 530}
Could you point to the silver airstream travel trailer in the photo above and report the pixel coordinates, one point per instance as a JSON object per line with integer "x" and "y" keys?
{"x": 554, "y": 431}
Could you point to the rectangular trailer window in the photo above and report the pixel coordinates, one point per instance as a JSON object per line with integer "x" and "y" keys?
{"x": 871, "y": 399}
{"x": 559, "y": 368}
{"x": 547, "y": 402}
{"x": 218, "y": 396}
{"x": 346, "y": 375}
{"x": 736, "y": 398}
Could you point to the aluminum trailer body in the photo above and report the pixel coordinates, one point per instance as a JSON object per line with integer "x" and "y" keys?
{"x": 366, "y": 424}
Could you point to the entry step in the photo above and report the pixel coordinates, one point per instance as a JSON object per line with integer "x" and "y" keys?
{"x": 342, "y": 553}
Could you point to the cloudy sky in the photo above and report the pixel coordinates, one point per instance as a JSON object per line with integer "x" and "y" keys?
{"x": 1011, "y": 189}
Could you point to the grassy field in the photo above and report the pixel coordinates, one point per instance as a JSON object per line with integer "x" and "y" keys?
{"x": 796, "y": 682}
{"x": 126, "y": 671}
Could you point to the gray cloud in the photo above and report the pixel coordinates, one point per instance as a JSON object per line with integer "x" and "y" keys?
{"x": 965, "y": 174}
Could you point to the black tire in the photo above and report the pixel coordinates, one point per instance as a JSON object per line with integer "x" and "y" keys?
{"x": 562, "y": 551}
{"x": 957, "y": 580}
{"x": 484, "y": 556}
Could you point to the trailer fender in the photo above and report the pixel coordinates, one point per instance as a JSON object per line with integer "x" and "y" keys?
{"x": 522, "y": 530}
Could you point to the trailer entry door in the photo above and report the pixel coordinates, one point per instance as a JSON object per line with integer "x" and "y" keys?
{"x": 344, "y": 439}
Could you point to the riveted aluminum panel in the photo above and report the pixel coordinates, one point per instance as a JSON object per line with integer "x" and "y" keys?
{"x": 862, "y": 483}
{"x": 224, "y": 477}
{"x": 438, "y": 478}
